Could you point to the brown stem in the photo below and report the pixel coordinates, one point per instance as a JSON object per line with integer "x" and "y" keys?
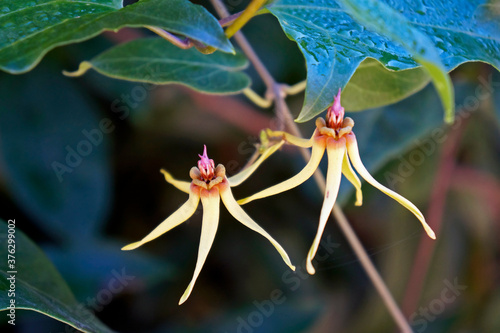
{"x": 224, "y": 22}
{"x": 276, "y": 91}
{"x": 181, "y": 43}
{"x": 482, "y": 184}
{"x": 247, "y": 14}
{"x": 186, "y": 43}
{"x": 434, "y": 217}
{"x": 247, "y": 48}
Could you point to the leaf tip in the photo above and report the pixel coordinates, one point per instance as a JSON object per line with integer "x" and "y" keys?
{"x": 302, "y": 119}
{"x": 82, "y": 69}
{"x": 449, "y": 116}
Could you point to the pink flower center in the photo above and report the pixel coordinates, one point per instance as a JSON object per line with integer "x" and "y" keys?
{"x": 206, "y": 166}
{"x": 335, "y": 114}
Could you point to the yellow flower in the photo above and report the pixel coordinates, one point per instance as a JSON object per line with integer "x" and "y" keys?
{"x": 336, "y": 137}
{"x": 210, "y": 184}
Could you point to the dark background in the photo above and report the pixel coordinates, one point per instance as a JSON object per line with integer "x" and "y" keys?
{"x": 116, "y": 195}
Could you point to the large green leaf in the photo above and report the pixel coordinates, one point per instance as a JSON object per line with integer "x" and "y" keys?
{"x": 38, "y": 285}
{"x": 372, "y": 85}
{"x": 33, "y": 27}
{"x": 55, "y": 152}
{"x": 376, "y": 16}
{"x": 334, "y": 44}
{"x": 155, "y": 60}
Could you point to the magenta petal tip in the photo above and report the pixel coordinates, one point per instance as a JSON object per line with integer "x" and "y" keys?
{"x": 206, "y": 165}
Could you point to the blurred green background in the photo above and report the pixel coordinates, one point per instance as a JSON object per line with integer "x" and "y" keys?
{"x": 116, "y": 195}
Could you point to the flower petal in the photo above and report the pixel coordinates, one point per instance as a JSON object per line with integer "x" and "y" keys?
{"x": 244, "y": 174}
{"x": 318, "y": 149}
{"x": 336, "y": 152}
{"x": 352, "y": 149}
{"x": 239, "y": 214}
{"x": 181, "y": 185}
{"x": 209, "y": 225}
{"x": 353, "y": 178}
{"x": 179, "y": 216}
{"x": 294, "y": 140}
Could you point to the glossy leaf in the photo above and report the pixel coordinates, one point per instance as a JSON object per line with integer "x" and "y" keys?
{"x": 377, "y": 16}
{"x": 33, "y": 27}
{"x": 39, "y": 286}
{"x": 155, "y": 60}
{"x": 334, "y": 44}
{"x": 373, "y": 85}
{"x": 55, "y": 151}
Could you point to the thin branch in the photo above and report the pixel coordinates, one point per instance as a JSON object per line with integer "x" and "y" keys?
{"x": 296, "y": 88}
{"x": 256, "y": 99}
{"x": 482, "y": 184}
{"x": 224, "y": 22}
{"x": 187, "y": 43}
{"x": 282, "y": 111}
{"x": 248, "y": 13}
{"x": 181, "y": 43}
{"x": 252, "y": 159}
{"x": 246, "y": 48}
{"x": 425, "y": 250}
{"x": 276, "y": 92}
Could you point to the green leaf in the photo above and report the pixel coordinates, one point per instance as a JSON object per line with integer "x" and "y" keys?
{"x": 38, "y": 285}
{"x": 89, "y": 266}
{"x": 55, "y": 153}
{"x": 154, "y": 60}
{"x": 372, "y": 85}
{"x": 334, "y": 44}
{"x": 379, "y": 17}
{"x": 34, "y": 27}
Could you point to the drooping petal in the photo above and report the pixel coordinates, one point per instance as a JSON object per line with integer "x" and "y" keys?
{"x": 179, "y": 216}
{"x": 353, "y": 178}
{"x": 292, "y": 139}
{"x": 210, "y": 221}
{"x": 244, "y": 174}
{"x": 336, "y": 151}
{"x": 239, "y": 214}
{"x": 181, "y": 185}
{"x": 352, "y": 149}
{"x": 318, "y": 149}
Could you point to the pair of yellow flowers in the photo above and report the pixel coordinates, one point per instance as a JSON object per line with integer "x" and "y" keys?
{"x": 210, "y": 184}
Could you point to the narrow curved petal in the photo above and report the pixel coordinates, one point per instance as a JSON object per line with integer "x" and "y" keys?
{"x": 352, "y": 149}
{"x": 292, "y": 139}
{"x": 353, "y": 178}
{"x": 336, "y": 151}
{"x": 239, "y": 214}
{"x": 181, "y": 185}
{"x": 179, "y": 216}
{"x": 318, "y": 149}
{"x": 209, "y": 225}
{"x": 244, "y": 174}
